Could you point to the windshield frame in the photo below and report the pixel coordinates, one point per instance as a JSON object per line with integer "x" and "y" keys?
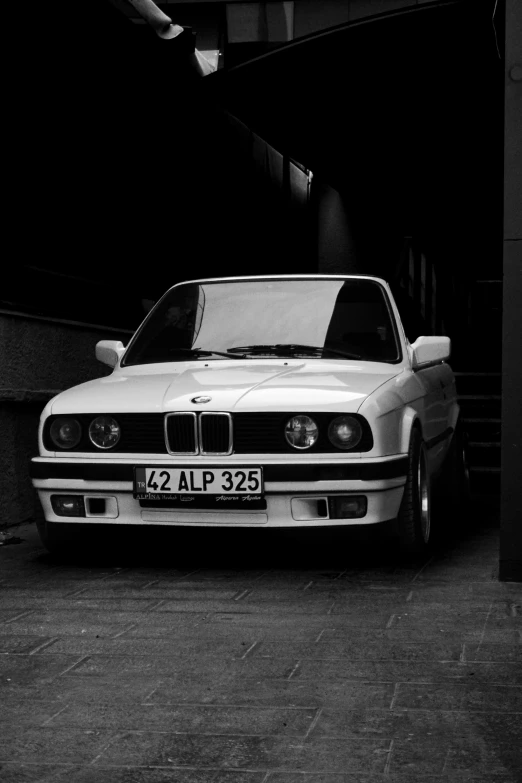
{"x": 393, "y": 315}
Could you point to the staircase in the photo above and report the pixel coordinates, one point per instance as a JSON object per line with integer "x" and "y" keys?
{"x": 472, "y": 317}
{"x": 479, "y": 395}
{"x": 477, "y": 365}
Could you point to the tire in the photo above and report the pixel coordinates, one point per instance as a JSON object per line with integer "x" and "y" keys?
{"x": 454, "y": 486}
{"x": 59, "y": 538}
{"x": 414, "y": 519}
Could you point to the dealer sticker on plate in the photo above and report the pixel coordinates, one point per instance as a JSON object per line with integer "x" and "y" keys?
{"x": 161, "y": 483}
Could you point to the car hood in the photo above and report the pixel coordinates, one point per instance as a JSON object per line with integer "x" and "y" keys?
{"x": 232, "y": 386}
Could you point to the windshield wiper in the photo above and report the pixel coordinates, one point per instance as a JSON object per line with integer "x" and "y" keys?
{"x": 285, "y": 349}
{"x": 190, "y": 352}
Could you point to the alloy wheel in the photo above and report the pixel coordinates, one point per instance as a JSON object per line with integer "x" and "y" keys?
{"x": 423, "y": 488}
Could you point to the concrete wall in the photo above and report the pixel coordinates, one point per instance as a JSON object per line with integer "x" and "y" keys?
{"x": 336, "y": 248}
{"x": 38, "y": 358}
{"x": 511, "y": 494}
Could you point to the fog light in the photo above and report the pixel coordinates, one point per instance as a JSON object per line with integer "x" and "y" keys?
{"x": 348, "y": 507}
{"x": 68, "y": 505}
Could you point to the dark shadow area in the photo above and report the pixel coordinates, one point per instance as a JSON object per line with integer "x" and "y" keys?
{"x": 402, "y": 113}
{"x": 403, "y": 117}
{"x": 103, "y": 200}
{"x": 353, "y": 550}
{"x": 125, "y": 177}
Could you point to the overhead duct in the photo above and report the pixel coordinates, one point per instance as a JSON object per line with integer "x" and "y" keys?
{"x": 166, "y": 29}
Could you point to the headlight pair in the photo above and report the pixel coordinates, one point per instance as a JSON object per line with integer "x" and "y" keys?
{"x": 344, "y": 432}
{"x": 301, "y": 432}
{"x": 66, "y": 432}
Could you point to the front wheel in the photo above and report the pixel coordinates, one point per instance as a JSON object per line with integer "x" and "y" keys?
{"x": 59, "y": 538}
{"x": 453, "y": 495}
{"x": 415, "y": 511}
{"x": 456, "y": 471}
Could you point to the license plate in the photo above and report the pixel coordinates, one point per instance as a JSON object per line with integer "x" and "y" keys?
{"x": 163, "y": 483}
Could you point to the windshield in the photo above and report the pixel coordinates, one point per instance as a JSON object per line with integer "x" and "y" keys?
{"x": 251, "y": 319}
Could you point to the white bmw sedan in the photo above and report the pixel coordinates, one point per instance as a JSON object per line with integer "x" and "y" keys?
{"x": 284, "y": 401}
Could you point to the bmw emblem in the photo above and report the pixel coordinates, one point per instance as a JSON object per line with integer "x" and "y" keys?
{"x": 201, "y": 400}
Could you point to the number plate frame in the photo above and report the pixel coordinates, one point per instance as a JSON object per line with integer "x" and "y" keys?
{"x": 195, "y": 482}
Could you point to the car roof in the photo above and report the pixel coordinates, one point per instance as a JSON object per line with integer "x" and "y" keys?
{"x": 253, "y": 278}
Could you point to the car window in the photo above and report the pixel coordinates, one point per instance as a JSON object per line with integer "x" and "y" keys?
{"x": 344, "y": 315}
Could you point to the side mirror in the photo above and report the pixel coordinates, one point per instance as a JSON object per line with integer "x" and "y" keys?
{"x": 109, "y": 352}
{"x": 430, "y": 350}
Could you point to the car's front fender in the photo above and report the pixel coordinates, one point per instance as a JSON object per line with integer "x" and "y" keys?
{"x": 392, "y": 411}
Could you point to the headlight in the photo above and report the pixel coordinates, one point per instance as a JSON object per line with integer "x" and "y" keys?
{"x": 301, "y": 432}
{"x": 65, "y": 432}
{"x": 345, "y": 432}
{"x": 104, "y": 432}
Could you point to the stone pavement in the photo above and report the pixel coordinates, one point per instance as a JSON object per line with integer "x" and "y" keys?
{"x": 251, "y": 658}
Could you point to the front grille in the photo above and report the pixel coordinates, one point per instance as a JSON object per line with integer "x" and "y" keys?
{"x": 260, "y": 433}
{"x": 181, "y": 433}
{"x": 215, "y": 433}
{"x": 206, "y": 433}
{"x": 192, "y": 433}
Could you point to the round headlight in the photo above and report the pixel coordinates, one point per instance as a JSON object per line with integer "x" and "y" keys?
{"x": 345, "y": 432}
{"x": 65, "y": 432}
{"x": 104, "y": 432}
{"x": 301, "y": 432}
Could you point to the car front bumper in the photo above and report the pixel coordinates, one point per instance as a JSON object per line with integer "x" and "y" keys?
{"x": 294, "y": 492}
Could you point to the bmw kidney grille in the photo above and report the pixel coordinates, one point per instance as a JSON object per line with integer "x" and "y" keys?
{"x": 203, "y": 433}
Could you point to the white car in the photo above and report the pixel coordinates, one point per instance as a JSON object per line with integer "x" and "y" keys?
{"x": 266, "y": 402}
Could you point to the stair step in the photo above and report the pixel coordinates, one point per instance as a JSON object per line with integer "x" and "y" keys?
{"x": 480, "y": 407}
{"x": 484, "y": 481}
{"x": 483, "y": 456}
{"x": 474, "y": 383}
{"x": 468, "y": 420}
{"x": 479, "y": 396}
{"x": 482, "y": 431}
{"x": 466, "y": 355}
{"x": 495, "y": 444}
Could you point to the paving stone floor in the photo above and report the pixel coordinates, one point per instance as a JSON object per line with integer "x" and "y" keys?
{"x": 250, "y": 658}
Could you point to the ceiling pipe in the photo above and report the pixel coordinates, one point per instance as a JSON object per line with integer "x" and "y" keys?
{"x": 162, "y": 24}
{"x": 166, "y": 29}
